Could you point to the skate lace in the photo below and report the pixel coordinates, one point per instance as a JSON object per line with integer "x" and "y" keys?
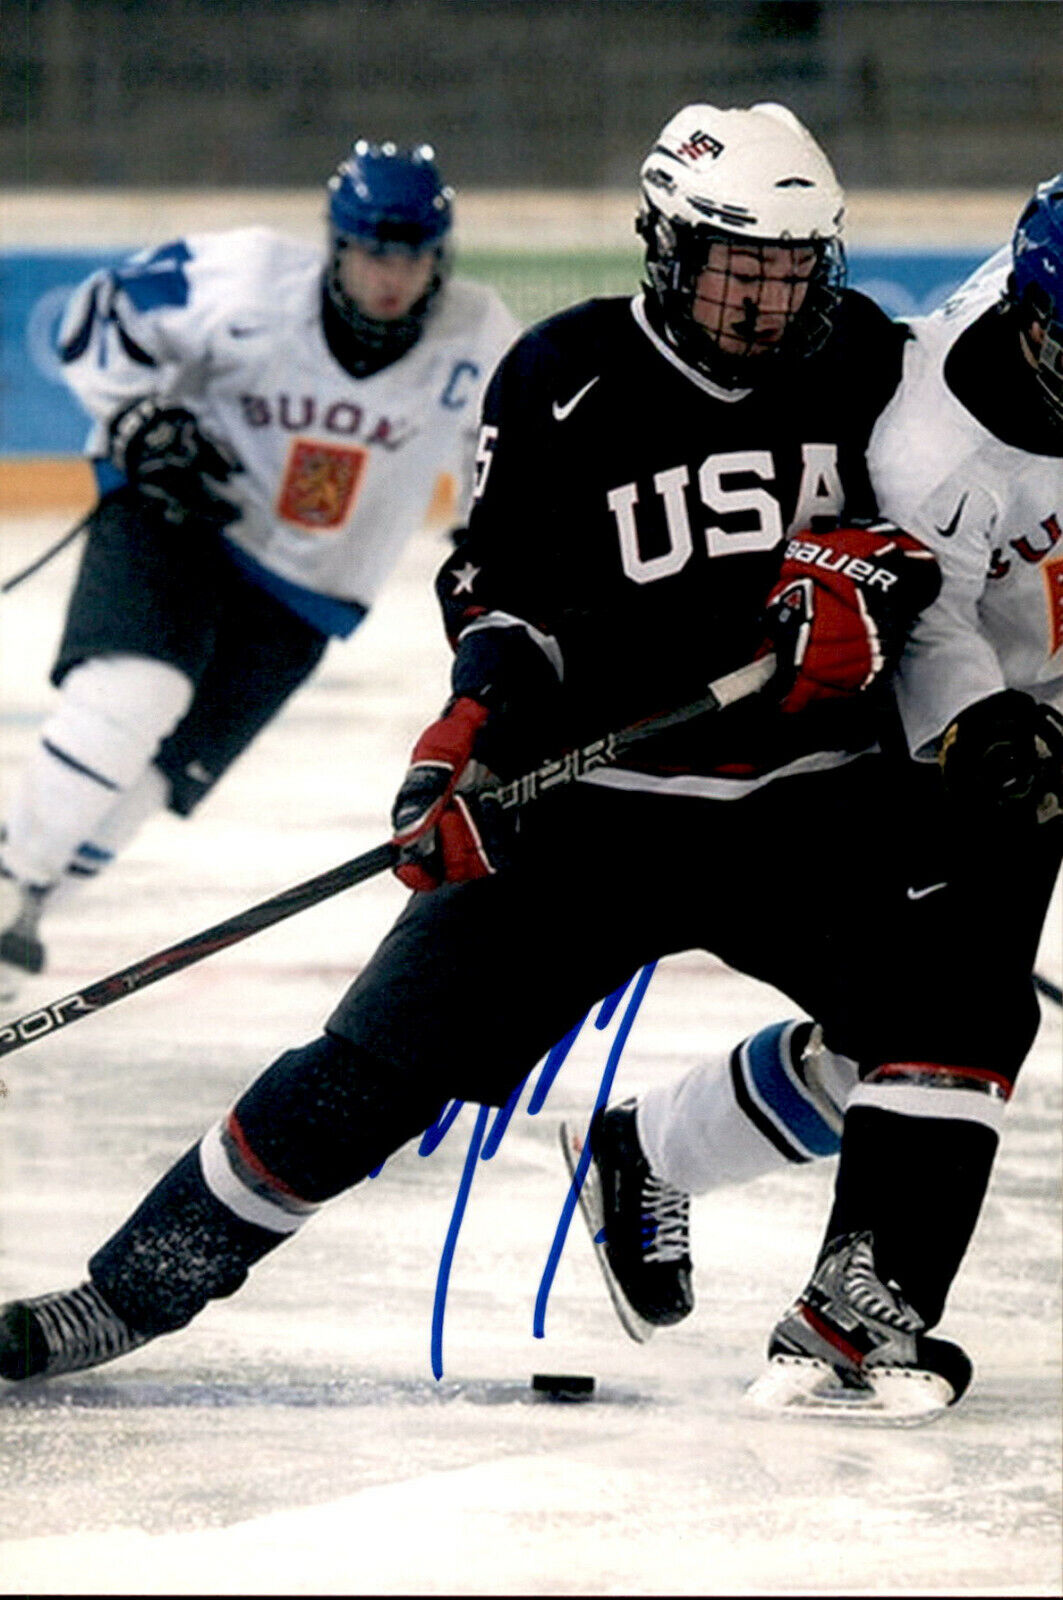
{"x": 665, "y": 1221}
{"x": 80, "y": 1329}
{"x": 870, "y": 1298}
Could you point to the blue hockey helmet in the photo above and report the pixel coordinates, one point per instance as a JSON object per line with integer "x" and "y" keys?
{"x": 384, "y": 198}
{"x": 387, "y": 198}
{"x": 1036, "y": 287}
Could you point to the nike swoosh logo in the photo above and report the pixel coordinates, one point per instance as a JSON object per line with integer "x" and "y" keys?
{"x": 931, "y": 888}
{"x": 566, "y": 410}
{"x": 242, "y": 333}
{"x": 950, "y": 527}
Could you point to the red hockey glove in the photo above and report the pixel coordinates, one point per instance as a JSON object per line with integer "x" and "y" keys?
{"x": 439, "y": 819}
{"x": 1003, "y": 756}
{"x": 841, "y": 608}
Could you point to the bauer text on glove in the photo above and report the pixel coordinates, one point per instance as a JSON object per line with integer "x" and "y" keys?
{"x": 841, "y": 608}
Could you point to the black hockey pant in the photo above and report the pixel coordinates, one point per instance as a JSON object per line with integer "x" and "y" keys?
{"x": 803, "y": 885}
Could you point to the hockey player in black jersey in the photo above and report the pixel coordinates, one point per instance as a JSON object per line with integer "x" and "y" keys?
{"x": 969, "y": 455}
{"x": 667, "y": 487}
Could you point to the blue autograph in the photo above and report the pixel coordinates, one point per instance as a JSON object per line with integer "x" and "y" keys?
{"x": 484, "y": 1143}
{"x": 642, "y": 983}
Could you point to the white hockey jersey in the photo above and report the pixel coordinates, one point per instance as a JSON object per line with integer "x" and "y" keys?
{"x": 993, "y": 516}
{"x": 338, "y": 471}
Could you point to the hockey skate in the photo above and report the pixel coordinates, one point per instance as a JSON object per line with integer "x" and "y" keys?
{"x": 852, "y": 1347}
{"x": 64, "y": 1332}
{"x": 21, "y": 951}
{"x": 640, "y": 1226}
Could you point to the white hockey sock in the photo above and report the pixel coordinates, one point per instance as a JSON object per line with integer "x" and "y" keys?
{"x": 738, "y": 1116}
{"x": 116, "y": 829}
{"x": 113, "y": 713}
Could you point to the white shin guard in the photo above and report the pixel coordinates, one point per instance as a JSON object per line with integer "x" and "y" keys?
{"x": 113, "y": 713}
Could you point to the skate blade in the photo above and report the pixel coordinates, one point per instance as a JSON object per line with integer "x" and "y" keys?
{"x": 801, "y": 1386}
{"x": 590, "y": 1204}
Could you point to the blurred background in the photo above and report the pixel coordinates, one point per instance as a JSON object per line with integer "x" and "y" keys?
{"x": 522, "y": 93}
{"x": 125, "y": 123}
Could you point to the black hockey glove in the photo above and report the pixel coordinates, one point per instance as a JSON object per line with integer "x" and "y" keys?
{"x": 1003, "y": 757}
{"x": 162, "y": 454}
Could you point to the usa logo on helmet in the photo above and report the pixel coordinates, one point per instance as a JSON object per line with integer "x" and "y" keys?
{"x": 700, "y": 144}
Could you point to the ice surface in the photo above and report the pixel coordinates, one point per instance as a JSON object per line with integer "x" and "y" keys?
{"x": 293, "y": 1439}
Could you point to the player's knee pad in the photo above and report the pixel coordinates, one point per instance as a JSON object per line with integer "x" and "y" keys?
{"x": 114, "y": 712}
{"x": 317, "y": 1121}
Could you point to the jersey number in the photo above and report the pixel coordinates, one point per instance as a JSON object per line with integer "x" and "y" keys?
{"x": 485, "y": 445}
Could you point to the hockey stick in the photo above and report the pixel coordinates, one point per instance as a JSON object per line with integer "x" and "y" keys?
{"x": 1047, "y": 987}
{"x": 552, "y": 774}
{"x": 607, "y": 751}
{"x": 36, "y": 1024}
{"x": 42, "y": 560}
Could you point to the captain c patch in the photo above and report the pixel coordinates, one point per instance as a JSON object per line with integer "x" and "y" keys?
{"x": 321, "y": 484}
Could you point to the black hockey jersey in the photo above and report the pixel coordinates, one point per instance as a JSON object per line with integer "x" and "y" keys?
{"x": 633, "y": 515}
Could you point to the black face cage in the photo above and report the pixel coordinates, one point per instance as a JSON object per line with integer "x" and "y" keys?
{"x": 676, "y": 253}
{"x": 1038, "y": 306}
{"x": 383, "y": 342}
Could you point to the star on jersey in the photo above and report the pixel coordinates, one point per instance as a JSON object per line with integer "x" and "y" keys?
{"x": 465, "y": 577}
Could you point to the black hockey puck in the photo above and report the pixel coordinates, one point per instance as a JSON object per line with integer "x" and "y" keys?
{"x": 563, "y": 1385}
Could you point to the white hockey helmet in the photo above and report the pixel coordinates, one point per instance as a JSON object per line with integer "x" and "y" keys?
{"x": 738, "y": 174}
